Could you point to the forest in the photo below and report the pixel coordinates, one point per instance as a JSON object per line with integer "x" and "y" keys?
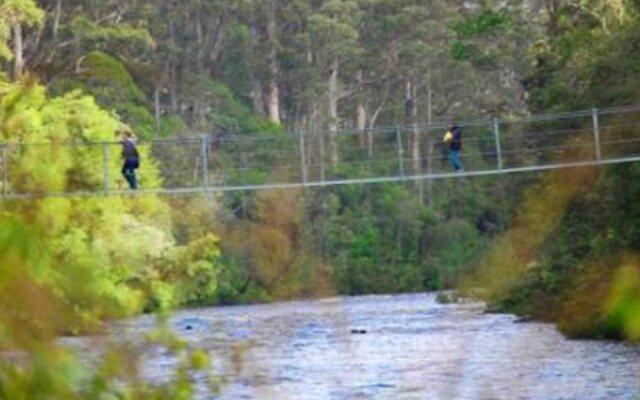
{"x": 561, "y": 247}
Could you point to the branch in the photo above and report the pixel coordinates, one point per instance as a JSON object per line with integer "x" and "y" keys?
{"x": 579, "y": 7}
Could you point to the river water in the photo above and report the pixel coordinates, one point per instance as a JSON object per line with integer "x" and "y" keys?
{"x": 395, "y": 347}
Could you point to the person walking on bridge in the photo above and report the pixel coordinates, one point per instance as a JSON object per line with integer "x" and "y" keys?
{"x": 453, "y": 138}
{"x": 131, "y": 158}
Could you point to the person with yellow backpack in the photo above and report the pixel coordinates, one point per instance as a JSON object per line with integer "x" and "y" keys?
{"x": 453, "y": 138}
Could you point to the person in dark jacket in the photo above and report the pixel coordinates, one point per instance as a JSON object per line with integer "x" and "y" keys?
{"x": 131, "y": 158}
{"x": 453, "y": 138}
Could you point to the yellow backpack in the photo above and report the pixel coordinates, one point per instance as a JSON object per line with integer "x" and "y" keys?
{"x": 448, "y": 137}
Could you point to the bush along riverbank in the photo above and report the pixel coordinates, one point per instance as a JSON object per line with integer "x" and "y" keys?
{"x": 571, "y": 256}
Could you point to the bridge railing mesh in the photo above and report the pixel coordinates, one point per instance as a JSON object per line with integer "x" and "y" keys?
{"x": 532, "y": 143}
{"x": 213, "y": 162}
{"x": 620, "y": 134}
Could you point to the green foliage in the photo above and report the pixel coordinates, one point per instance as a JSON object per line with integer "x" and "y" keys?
{"x": 116, "y": 242}
{"x": 99, "y": 35}
{"x": 586, "y": 67}
{"x": 228, "y": 114}
{"x": 388, "y": 242}
{"x": 195, "y": 271}
{"x": 16, "y": 12}
{"x": 453, "y": 246}
{"x": 624, "y": 301}
{"x": 484, "y": 23}
{"x": 575, "y": 275}
{"x": 233, "y": 116}
{"x": 50, "y": 371}
{"x": 461, "y": 51}
{"x": 236, "y": 285}
{"x": 171, "y": 125}
{"x": 108, "y": 81}
{"x": 72, "y": 263}
{"x": 237, "y": 62}
{"x": 483, "y": 36}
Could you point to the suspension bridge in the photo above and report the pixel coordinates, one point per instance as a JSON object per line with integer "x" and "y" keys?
{"x": 223, "y": 163}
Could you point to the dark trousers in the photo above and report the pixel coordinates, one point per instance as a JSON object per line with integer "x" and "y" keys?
{"x": 129, "y": 172}
{"x": 454, "y": 158}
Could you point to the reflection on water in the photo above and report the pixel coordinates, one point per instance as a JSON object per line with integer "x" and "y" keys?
{"x": 396, "y": 347}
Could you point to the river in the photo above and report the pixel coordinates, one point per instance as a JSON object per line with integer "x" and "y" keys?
{"x": 395, "y": 347}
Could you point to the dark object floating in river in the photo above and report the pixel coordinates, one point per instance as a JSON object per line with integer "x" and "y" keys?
{"x": 192, "y": 324}
{"x": 358, "y": 331}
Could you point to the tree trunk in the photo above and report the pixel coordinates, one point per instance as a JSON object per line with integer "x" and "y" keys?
{"x": 256, "y": 96}
{"x": 553, "y": 14}
{"x": 219, "y": 40}
{"x": 361, "y": 124}
{"x": 90, "y": 9}
{"x": 173, "y": 72}
{"x": 374, "y": 118}
{"x": 57, "y": 13}
{"x": 173, "y": 88}
{"x": 411, "y": 119}
{"x": 361, "y": 112}
{"x": 333, "y": 112}
{"x": 199, "y": 41}
{"x": 431, "y": 141}
{"x": 18, "y": 49}
{"x": 316, "y": 158}
{"x": 257, "y": 89}
{"x": 156, "y": 107}
{"x": 429, "y": 99}
{"x": 273, "y": 102}
{"x": 199, "y": 103}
